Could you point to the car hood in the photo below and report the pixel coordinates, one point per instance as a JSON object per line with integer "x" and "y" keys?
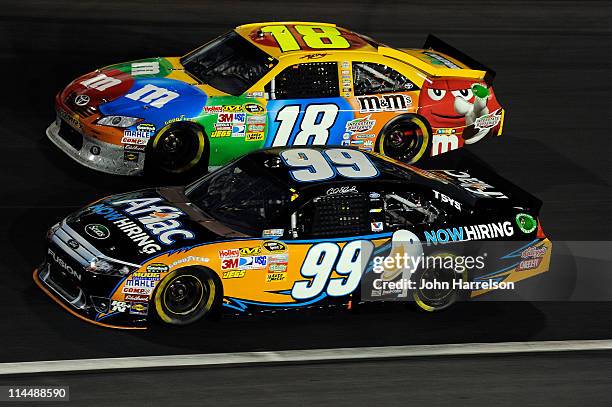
{"x": 149, "y": 89}
{"x": 139, "y": 225}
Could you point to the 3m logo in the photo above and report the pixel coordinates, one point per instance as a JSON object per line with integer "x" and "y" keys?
{"x": 100, "y": 82}
{"x": 230, "y": 263}
{"x": 154, "y": 95}
{"x": 444, "y": 143}
{"x": 389, "y": 103}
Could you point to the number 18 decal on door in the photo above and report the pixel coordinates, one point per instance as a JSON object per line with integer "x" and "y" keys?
{"x": 314, "y": 128}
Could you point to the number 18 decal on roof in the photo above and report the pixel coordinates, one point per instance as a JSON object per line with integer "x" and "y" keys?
{"x": 323, "y": 165}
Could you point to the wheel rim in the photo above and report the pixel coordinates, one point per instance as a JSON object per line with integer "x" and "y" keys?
{"x": 184, "y": 294}
{"x": 178, "y": 150}
{"x": 405, "y": 141}
{"x": 437, "y": 296}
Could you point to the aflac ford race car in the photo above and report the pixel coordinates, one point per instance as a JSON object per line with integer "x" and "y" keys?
{"x": 275, "y": 84}
{"x": 283, "y": 228}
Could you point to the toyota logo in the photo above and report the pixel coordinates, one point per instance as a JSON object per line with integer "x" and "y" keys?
{"x": 81, "y": 100}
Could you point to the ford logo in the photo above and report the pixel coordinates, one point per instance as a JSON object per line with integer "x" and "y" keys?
{"x": 73, "y": 243}
{"x": 97, "y": 231}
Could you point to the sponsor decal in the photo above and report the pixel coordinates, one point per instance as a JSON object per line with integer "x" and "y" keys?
{"x": 97, "y": 231}
{"x": 313, "y": 56}
{"x": 258, "y": 136}
{"x": 531, "y": 258}
{"x": 232, "y": 108}
{"x": 139, "y": 308}
{"x": 229, "y": 253}
{"x": 238, "y": 130}
{"x": 377, "y": 226}
{"x": 473, "y": 232}
{"x": 144, "y": 68}
{"x": 118, "y": 306}
{"x": 277, "y": 268}
{"x": 443, "y": 143}
{"x": 68, "y": 118}
{"x": 134, "y": 147}
{"x": 181, "y": 118}
{"x": 436, "y": 59}
{"x": 282, "y": 258}
{"x": 233, "y": 274}
{"x": 256, "y": 128}
{"x": 250, "y": 251}
{"x": 446, "y": 131}
{"x": 273, "y": 246}
{"x": 132, "y": 297}
{"x": 137, "y": 290}
{"x": 487, "y": 121}
{"x": 157, "y": 268}
{"x": 526, "y": 223}
{"x": 130, "y": 156}
{"x": 258, "y": 94}
{"x": 134, "y": 137}
{"x": 474, "y": 185}
{"x": 153, "y": 95}
{"x": 384, "y": 103}
{"x": 253, "y": 108}
{"x": 141, "y": 219}
{"x": 73, "y": 244}
{"x": 272, "y": 233}
{"x": 146, "y": 274}
{"x": 81, "y": 100}
{"x": 63, "y": 265}
{"x": 253, "y": 262}
{"x": 213, "y": 109}
{"x": 447, "y": 200}
{"x": 239, "y": 118}
{"x": 101, "y": 82}
{"x": 188, "y": 259}
{"x": 275, "y": 277}
{"x": 221, "y": 133}
{"x": 256, "y": 119}
{"x": 225, "y": 118}
{"x": 342, "y": 190}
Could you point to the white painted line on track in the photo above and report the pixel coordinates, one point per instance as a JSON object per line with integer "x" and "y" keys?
{"x": 293, "y": 356}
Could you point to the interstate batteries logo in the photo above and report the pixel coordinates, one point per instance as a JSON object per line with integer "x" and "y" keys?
{"x": 97, "y": 231}
{"x": 360, "y": 125}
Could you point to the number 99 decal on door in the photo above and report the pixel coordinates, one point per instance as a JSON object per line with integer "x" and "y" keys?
{"x": 275, "y": 85}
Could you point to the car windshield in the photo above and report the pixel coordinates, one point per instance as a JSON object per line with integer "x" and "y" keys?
{"x": 243, "y": 196}
{"x": 229, "y": 63}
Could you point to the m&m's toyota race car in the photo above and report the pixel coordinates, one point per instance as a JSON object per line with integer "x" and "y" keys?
{"x": 287, "y": 228}
{"x": 275, "y": 84}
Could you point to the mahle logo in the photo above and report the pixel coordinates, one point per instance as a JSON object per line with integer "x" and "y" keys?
{"x": 97, "y": 231}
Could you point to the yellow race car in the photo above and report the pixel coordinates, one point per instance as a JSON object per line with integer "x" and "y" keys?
{"x": 275, "y": 84}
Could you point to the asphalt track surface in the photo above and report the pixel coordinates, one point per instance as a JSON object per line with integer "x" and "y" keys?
{"x": 552, "y": 60}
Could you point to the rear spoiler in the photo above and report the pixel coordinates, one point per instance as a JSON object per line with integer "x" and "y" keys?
{"x": 466, "y": 161}
{"x": 434, "y": 43}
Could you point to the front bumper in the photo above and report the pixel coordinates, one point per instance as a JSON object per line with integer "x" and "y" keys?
{"x": 110, "y": 158}
{"x": 64, "y": 277}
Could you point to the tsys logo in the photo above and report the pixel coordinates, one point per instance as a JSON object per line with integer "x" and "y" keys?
{"x": 97, "y": 231}
{"x": 526, "y": 223}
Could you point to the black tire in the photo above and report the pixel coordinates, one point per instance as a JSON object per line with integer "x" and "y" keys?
{"x": 406, "y": 138}
{"x": 436, "y": 300}
{"x": 187, "y": 295}
{"x": 177, "y": 149}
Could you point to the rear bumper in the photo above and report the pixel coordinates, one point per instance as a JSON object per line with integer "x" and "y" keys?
{"x": 110, "y": 158}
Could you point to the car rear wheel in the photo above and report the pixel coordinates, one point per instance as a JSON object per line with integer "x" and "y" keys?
{"x": 177, "y": 149}
{"x": 186, "y": 296}
{"x": 434, "y": 285}
{"x": 406, "y": 138}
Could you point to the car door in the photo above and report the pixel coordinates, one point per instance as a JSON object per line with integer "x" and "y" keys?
{"x": 305, "y": 106}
